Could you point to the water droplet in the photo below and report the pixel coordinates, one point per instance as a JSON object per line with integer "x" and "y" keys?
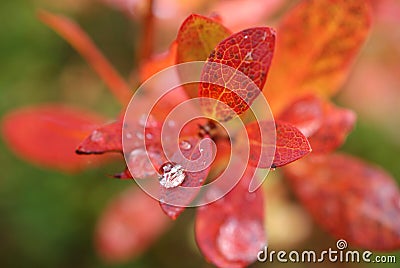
{"x": 246, "y": 36}
{"x": 149, "y": 136}
{"x": 171, "y": 123}
{"x": 147, "y": 121}
{"x": 139, "y": 135}
{"x": 171, "y": 175}
{"x": 264, "y": 36}
{"x": 128, "y": 135}
{"x": 185, "y": 145}
{"x": 240, "y": 240}
{"x": 96, "y": 136}
{"x": 201, "y": 150}
{"x": 249, "y": 56}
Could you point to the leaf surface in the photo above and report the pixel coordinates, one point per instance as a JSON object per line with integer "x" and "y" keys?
{"x": 317, "y": 43}
{"x": 192, "y": 179}
{"x": 349, "y": 198}
{"x": 305, "y": 113}
{"x": 230, "y": 231}
{"x": 129, "y": 225}
{"x": 236, "y": 71}
{"x": 337, "y": 124}
{"x": 290, "y": 146}
{"x": 48, "y": 135}
{"x": 196, "y": 39}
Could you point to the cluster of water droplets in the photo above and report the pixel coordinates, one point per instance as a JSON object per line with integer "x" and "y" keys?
{"x": 171, "y": 175}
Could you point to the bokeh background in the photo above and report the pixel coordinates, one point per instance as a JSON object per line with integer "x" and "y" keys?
{"x": 48, "y": 218}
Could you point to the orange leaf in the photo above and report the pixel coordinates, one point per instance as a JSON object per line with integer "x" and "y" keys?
{"x": 48, "y": 135}
{"x": 336, "y": 125}
{"x": 130, "y": 224}
{"x": 196, "y": 39}
{"x": 291, "y": 144}
{"x": 248, "y": 52}
{"x": 158, "y": 63}
{"x": 74, "y": 35}
{"x": 317, "y": 43}
{"x": 230, "y": 231}
{"x": 350, "y": 199}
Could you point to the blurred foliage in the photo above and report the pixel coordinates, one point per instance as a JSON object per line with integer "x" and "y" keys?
{"x": 48, "y": 218}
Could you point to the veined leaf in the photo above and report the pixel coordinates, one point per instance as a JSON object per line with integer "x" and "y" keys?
{"x": 247, "y": 56}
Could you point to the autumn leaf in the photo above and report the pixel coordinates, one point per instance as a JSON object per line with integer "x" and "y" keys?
{"x": 305, "y": 113}
{"x": 336, "y": 125}
{"x": 230, "y": 231}
{"x": 129, "y": 225}
{"x": 107, "y": 138}
{"x": 290, "y": 146}
{"x": 196, "y": 39}
{"x": 350, "y": 199}
{"x": 47, "y": 135}
{"x": 190, "y": 148}
{"x": 236, "y": 71}
{"x": 317, "y": 43}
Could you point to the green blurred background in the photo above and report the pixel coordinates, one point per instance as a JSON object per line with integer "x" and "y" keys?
{"x": 47, "y": 218}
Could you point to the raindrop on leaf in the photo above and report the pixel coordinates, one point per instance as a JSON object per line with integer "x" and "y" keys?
{"x": 171, "y": 175}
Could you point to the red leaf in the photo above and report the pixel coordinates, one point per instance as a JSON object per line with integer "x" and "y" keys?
{"x": 192, "y": 179}
{"x": 107, "y": 138}
{"x": 230, "y": 231}
{"x": 248, "y": 52}
{"x": 350, "y": 199}
{"x": 130, "y": 224}
{"x": 72, "y": 33}
{"x": 305, "y": 113}
{"x": 291, "y": 144}
{"x": 336, "y": 125}
{"x": 48, "y": 135}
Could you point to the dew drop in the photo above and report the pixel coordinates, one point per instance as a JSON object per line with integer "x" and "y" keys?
{"x": 246, "y": 36}
{"x": 149, "y": 136}
{"x": 264, "y": 36}
{"x": 128, "y": 135}
{"x": 171, "y": 123}
{"x": 240, "y": 240}
{"x": 139, "y": 135}
{"x": 249, "y": 56}
{"x": 97, "y": 136}
{"x": 147, "y": 121}
{"x": 171, "y": 175}
{"x": 185, "y": 145}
